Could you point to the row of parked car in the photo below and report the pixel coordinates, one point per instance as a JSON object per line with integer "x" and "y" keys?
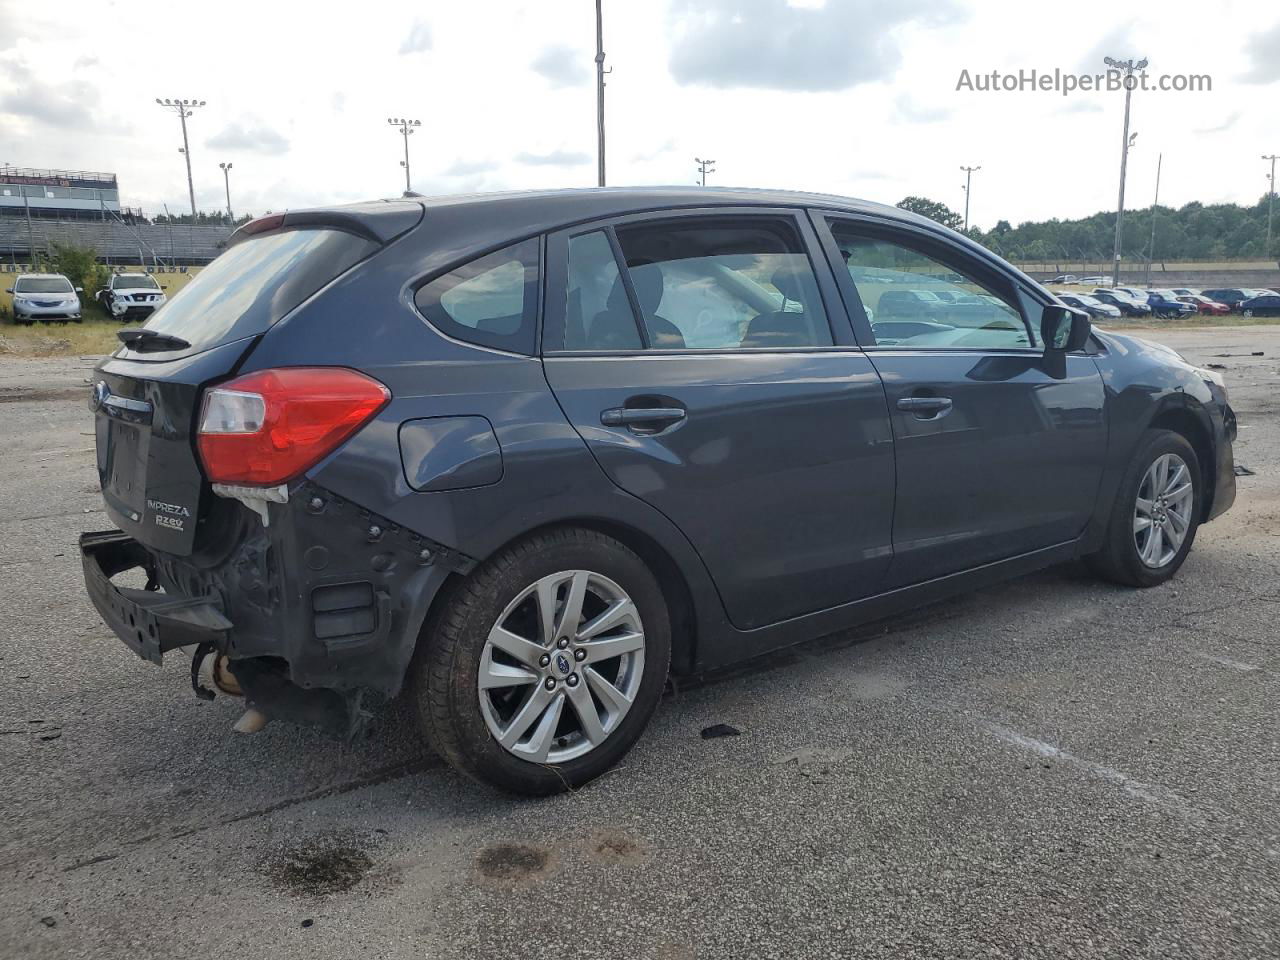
{"x": 1173, "y": 302}
{"x": 53, "y": 297}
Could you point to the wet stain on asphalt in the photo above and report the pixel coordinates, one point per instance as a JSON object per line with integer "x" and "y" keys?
{"x": 512, "y": 861}
{"x": 319, "y": 866}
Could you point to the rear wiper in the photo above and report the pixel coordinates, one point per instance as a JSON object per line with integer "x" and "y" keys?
{"x": 146, "y": 340}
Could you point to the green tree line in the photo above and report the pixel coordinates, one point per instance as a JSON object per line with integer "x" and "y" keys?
{"x": 203, "y": 218}
{"x": 1196, "y": 231}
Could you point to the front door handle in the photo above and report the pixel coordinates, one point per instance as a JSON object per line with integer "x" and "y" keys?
{"x": 652, "y": 418}
{"x": 926, "y": 408}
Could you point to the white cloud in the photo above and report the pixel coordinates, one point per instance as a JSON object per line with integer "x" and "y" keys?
{"x": 418, "y": 40}
{"x": 824, "y": 96}
{"x": 253, "y": 137}
{"x": 563, "y": 66}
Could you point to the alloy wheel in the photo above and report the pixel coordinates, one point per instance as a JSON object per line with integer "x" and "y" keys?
{"x": 561, "y": 667}
{"x": 1162, "y": 513}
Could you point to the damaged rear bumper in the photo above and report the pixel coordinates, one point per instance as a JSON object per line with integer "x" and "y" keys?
{"x": 314, "y": 609}
{"x": 149, "y": 622}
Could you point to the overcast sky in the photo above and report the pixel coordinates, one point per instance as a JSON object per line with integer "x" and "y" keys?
{"x": 855, "y": 97}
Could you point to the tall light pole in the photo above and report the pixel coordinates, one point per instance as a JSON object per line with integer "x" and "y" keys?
{"x": 1127, "y": 67}
{"x": 406, "y": 128}
{"x": 600, "y": 72}
{"x": 226, "y": 180}
{"x": 968, "y": 182}
{"x": 184, "y": 109}
{"x": 1271, "y": 200}
{"x": 1151, "y": 246}
{"x": 704, "y": 167}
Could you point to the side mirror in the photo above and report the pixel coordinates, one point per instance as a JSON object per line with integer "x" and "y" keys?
{"x": 1064, "y": 329}
{"x": 79, "y": 289}
{"x": 8, "y": 289}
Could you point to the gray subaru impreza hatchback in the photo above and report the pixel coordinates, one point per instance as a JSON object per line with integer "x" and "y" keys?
{"x": 521, "y": 456}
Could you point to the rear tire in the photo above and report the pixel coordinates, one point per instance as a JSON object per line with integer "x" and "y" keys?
{"x": 1151, "y": 503}
{"x": 558, "y": 747}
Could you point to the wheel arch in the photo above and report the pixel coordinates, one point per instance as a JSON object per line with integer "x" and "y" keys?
{"x": 671, "y": 580}
{"x": 1189, "y": 421}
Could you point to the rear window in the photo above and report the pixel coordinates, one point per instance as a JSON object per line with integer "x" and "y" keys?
{"x": 255, "y": 283}
{"x": 492, "y": 301}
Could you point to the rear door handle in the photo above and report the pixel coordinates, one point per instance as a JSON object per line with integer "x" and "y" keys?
{"x": 652, "y": 417}
{"x": 926, "y": 408}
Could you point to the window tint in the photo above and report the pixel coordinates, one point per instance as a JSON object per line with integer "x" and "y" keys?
{"x": 492, "y": 301}
{"x": 597, "y": 312}
{"x": 914, "y": 300}
{"x": 722, "y": 284}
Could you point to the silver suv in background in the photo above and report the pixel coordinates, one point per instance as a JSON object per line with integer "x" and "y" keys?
{"x": 44, "y": 296}
{"x": 131, "y": 296}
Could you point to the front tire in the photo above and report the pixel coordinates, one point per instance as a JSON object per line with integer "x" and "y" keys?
{"x": 544, "y": 665}
{"x": 1156, "y": 513}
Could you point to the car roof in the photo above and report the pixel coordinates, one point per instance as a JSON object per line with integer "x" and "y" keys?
{"x": 529, "y": 212}
{"x": 40, "y": 276}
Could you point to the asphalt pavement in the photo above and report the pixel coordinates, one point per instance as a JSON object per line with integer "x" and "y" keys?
{"x": 1051, "y": 768}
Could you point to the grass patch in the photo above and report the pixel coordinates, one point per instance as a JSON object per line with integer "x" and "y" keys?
{"x": 94, "y": 337}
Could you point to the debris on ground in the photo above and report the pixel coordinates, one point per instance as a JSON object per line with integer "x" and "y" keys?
{"x": 1216, "y": 366}
{"x": 719, "y": 730}
{"x": 307, "y": 922}
{"x": 1243, "y": 471}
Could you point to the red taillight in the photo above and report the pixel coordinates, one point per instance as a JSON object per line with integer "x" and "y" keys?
{"x": 265, "y": 428}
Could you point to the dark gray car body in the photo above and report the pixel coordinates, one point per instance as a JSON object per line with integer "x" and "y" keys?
{"x": 795, "y": 498}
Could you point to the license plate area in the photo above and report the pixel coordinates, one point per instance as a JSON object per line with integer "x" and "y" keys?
{"x": 122, "y": 464}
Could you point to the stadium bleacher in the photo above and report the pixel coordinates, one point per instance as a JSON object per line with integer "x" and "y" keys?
{"x": 114, "y": 241}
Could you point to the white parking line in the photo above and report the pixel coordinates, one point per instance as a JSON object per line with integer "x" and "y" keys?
{"x": 1159, "y": 796}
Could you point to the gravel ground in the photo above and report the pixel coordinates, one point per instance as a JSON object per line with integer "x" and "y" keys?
{"x": 1051, "y": 768}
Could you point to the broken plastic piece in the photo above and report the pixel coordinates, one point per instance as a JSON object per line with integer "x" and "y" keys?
{"x": 255, "y": 498}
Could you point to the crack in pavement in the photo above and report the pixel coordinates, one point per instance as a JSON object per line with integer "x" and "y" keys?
{"x": 372, "y": 779}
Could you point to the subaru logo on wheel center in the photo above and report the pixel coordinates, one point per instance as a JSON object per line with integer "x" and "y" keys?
{"x": 563, "y": 665}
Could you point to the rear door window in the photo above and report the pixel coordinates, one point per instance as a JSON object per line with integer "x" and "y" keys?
{"x": 696, "y": 283}
{"x": 254, "y": 284}
{"x": 491, "y": 301}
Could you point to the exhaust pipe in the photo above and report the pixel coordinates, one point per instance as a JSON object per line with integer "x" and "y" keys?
{"x": 223, "y": 678}
{"x": 207, "y": 664}
{"x": 251, "y": 721}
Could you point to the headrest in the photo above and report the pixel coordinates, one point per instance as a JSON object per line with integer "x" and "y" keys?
{"x": 647, "y": 280}
{"x": 790, "y": 282}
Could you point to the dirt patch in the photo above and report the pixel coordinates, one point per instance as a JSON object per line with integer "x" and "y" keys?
{"x": 512, "y": 861}
{"x": 34, "y": 345}
{"x": 318, "y": 867}
{"x": 33, "y": 395}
